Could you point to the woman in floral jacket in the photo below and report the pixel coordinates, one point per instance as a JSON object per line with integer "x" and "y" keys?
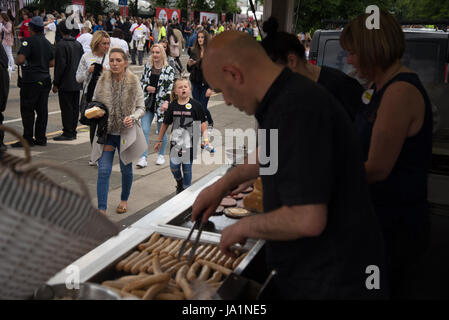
{"x": 157, "y": 83}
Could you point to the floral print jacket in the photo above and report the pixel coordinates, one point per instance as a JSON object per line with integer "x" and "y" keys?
{"x": 164, "y": 87}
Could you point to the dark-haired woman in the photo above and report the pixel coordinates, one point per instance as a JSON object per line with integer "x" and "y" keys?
{"x": 395, "y": 128}
{"x": 286, "y": 49}
{"x": 200, "y": 88}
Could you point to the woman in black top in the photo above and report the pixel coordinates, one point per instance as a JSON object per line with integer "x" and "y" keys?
{"x": 395, "y": 128}
{"x": 200, "y": 88}
{"x": 286, "y": 49}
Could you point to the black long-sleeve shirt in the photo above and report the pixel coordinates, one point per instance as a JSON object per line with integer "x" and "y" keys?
{"x": 67, "y": 57}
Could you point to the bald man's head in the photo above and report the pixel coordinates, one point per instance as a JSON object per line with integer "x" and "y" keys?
{"x": 233, "y": 63}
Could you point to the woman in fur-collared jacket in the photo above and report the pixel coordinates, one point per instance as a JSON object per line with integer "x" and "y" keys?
{"x": 119, "y": 90}
{"x": 157, "y": 83}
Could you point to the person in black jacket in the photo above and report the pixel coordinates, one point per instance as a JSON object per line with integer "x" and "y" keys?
{"x": 67, "y": 57}
{"x": 4, "y": 90}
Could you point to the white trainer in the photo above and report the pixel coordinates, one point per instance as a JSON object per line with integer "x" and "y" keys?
{"x": 142, "y": 162}
{"x": 160, "y": 160}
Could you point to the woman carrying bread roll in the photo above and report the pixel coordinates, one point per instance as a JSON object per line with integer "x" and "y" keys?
{"x": 119, "y": 90}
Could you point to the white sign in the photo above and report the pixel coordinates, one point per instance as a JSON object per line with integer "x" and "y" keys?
{"x": 208, "y": 16}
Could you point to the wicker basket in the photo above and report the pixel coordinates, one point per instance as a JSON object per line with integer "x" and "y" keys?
{"x": 43, "y": 227}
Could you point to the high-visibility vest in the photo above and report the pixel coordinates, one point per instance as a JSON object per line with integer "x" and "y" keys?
{"x": 162, "y": 33}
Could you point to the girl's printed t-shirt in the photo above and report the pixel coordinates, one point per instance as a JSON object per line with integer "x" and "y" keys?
{"x": 184, "y": 119}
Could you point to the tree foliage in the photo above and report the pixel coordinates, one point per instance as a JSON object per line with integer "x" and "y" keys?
{"x": 228, "y": 6}
{"x": 312, "y": 12}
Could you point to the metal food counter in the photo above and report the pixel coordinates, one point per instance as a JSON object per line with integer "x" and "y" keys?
{"x": 171, "y": 219}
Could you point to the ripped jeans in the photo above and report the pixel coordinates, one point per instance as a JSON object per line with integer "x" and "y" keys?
{"x": 104, "y": 173}
{"x": 186, "y": 175}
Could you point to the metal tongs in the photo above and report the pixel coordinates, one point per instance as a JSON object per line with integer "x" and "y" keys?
{"x": 198, "y": 224}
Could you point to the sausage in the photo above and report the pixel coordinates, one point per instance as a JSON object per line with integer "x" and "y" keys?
{"x": 222, "y": 260}
{"x": 216, "y": 267}
{"x": 122, "y": 294}
{"x": 204, "y": 252}
{"x": 176, "y": 249}
{"x": 169, "y": 296}
{"x": 169, "y": 263}
{"x": 176, "y": 267}
{"x": 131, "y": 263}
{"x": 182, "y": 282}
{"x": 121, "y": 264}
{"x": 144, "y": 267}
{"x": 138, "y": 293}
{"x": 229, "y": 262}
{"x": 147, "y": 281}
{"x": 191, "y": 274}
{"x": 161, "y": 261}
{"x": 204, "y": 275}
{"x": 154, "y": 290}
{"x": 216, "y": 277}
{"x": 211, "y": 254}
{"x": 217, "y": 257}
{"x": 215, "y": 284}
{"x": 170, "y": 247}
{"x": 154, "y": 237}
{"x": 136, "y": 267}
{"x": 114, "y": 284}
{"x": 238, "y": 260}
{"x": 163, "y": 245}
{"x": 156, "y": 265}
{"x": 198, "y": 250}
{"x": 155, "y": 245}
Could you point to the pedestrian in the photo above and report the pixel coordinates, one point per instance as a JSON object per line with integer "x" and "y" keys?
{"x": 175, "y": 44}
{"x": 286, "y": 49}
{"x": 24, "y": 28}
{"x": 157, "y": 83}
{"x": 67, "y": 57}
{"x": 138, "y": 31}
{"x": 7, "y": 29}
{"x": 395, "y": 128}
{"x": 119, "y": 90}
{"x": 35, "y": 57}
{"x": 90, "y": 68}
{"x": 319, "y": 227}
{"x": 118, "y": 41}
{"x": 162, "y": 32}
{"x": 201, "y": 91}
{"x": 86, "y": 37}
{"x": 156, "y": 29}
{"x": 99, "y": 26}
{"x": 50, "y": 29}
{"x": 188, "y": 119}
{"x": 4, "y": 91}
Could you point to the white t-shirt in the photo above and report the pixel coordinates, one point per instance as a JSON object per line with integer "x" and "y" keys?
{"x": 139, "y": 32}
{"x": 85, "y": 40}
{"x": 117, "y": 42}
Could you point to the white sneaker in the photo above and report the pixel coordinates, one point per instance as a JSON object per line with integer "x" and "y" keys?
{"x": 160, "y": 160}
{"x": 93, "y": 163}
{"x": 142, "y": 163}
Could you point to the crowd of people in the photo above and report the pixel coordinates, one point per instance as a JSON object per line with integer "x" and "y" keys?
{"x": 351, "y": 186}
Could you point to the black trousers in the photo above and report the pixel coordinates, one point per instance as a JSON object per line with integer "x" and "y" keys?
{"x": 70, "y": 108}
{"x": 34, "y": 99}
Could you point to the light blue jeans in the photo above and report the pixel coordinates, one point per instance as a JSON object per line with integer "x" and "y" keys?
{"x": 186, "y": 175}
{"x": 146, "y": 126}
{"x": 104, "y": 173}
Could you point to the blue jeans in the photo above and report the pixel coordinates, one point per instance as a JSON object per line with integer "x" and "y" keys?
{"x": 199, "y": 93}
{"x": 104, "y": 173}
{"x": 175, "y": 167}
{"x": 146, "y": 126}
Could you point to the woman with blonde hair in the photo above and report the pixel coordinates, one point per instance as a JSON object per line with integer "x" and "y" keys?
{"x": 91, "y": 66}
{"x": 157, "y": 83}
{"x": 395, "y": 129}
{"x": 119, "y": 91}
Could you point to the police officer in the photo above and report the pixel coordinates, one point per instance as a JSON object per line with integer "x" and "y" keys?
{"x": 4, "y": 90}
{"x": 36, "y": 57}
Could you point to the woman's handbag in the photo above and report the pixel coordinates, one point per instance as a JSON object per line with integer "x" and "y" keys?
{"x": 149, "y": 101}
{"x": 44, "y": 227}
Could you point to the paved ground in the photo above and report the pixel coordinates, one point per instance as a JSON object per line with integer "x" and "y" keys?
{"x": 152, "y": 185}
